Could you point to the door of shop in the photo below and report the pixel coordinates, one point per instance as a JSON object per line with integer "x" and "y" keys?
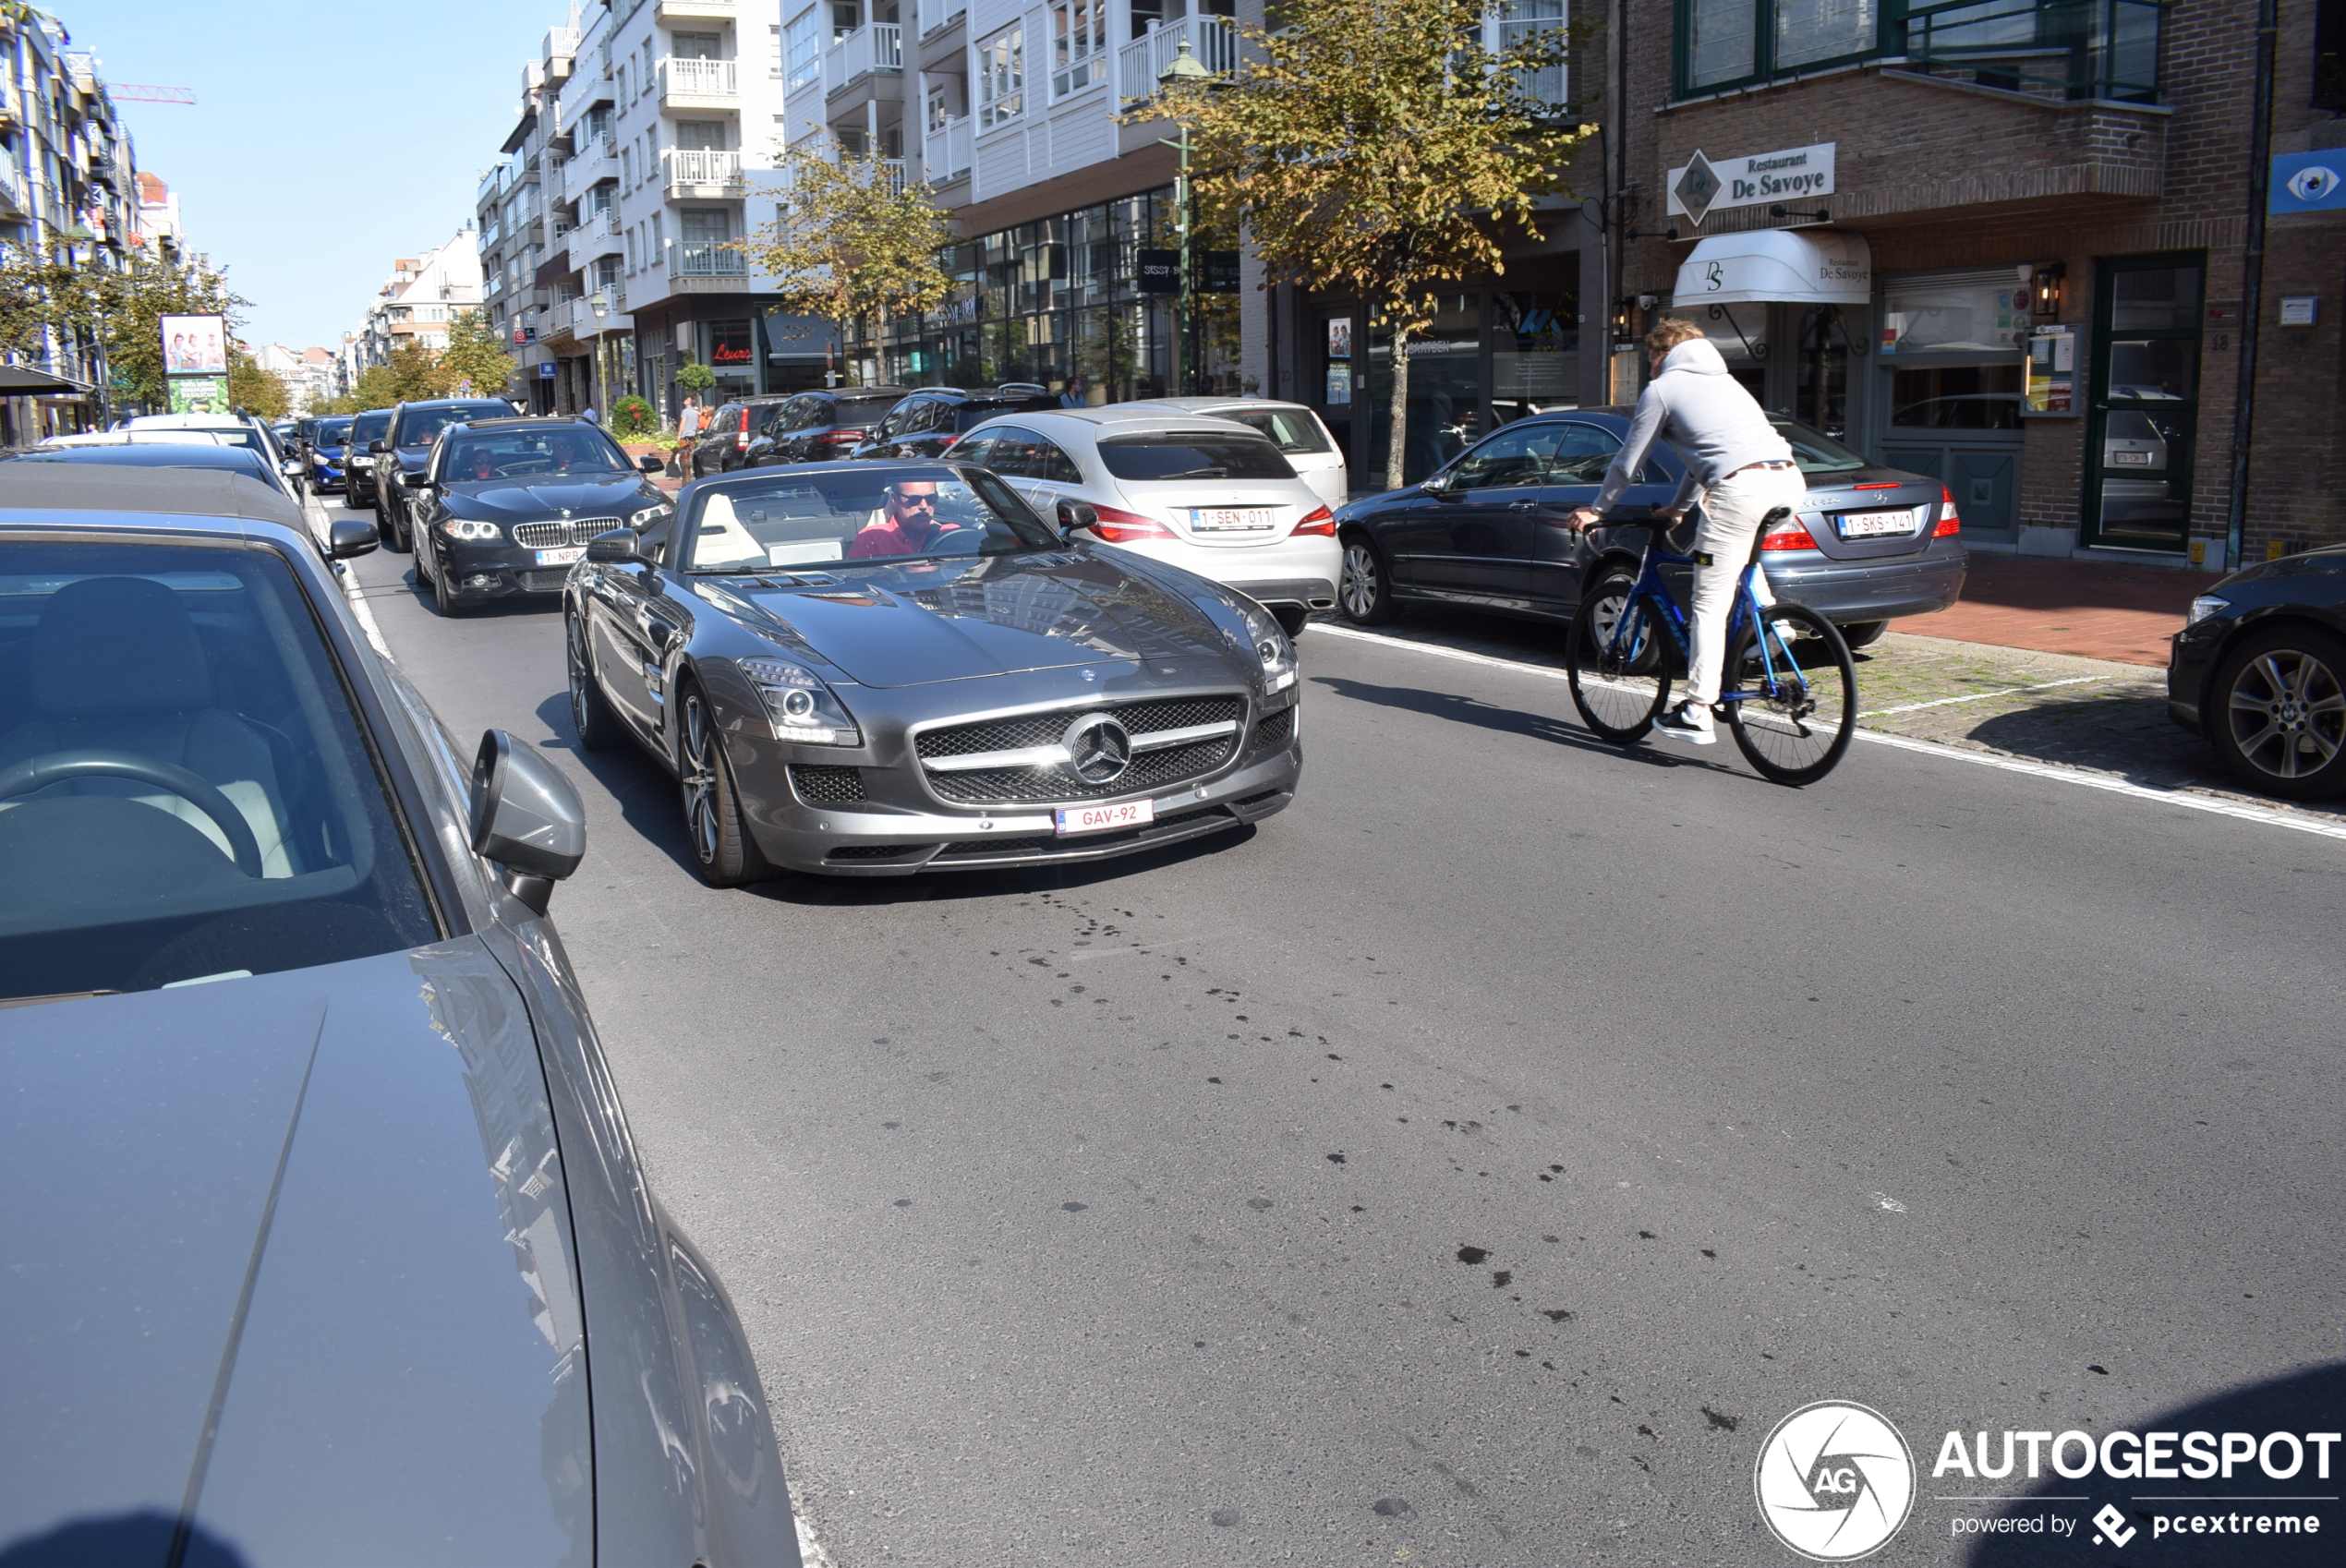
{"x": 2142, "y": 425}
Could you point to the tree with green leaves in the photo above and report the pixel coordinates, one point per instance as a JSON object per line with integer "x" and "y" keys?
{"x": 696, "y": 376}
{"x": 476, "y": 362}
{"x": 1379, "y": 148}
{"x": 855, "y": 244}
{"x": 253, "y": 389}
{"x": 118, "y": 309}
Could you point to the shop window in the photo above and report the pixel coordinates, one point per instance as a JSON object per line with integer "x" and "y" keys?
{"x": 1001, "y": 78}
{"x": 1535, "y": 340}
{"x": 1079, "y": 36}
{"x": 1956, "y": 397}
{"x": 1968, "y": 314}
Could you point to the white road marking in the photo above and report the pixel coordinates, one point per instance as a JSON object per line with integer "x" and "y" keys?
{"x": 810, "y": 1551}
{"x": 2273, "y": 816}
{"x": 1979, "y": 696}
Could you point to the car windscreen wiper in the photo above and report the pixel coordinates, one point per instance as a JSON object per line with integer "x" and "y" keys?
{"x": 1216, "y": 472}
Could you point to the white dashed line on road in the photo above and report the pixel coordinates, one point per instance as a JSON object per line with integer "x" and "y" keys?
{"x": 2270, "y": 815}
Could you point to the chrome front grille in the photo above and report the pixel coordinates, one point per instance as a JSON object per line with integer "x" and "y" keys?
{"x": 553, "y": 536}
{"x": 1020, "y": 761}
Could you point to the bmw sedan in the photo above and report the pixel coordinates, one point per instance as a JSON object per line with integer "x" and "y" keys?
{"x": 2261, "y": 670}
{"x": 1490, "y": 529}
{"x": 874, "y": 668}
{"x": 327, "y": 1238}
{"x": 505, "y": 506}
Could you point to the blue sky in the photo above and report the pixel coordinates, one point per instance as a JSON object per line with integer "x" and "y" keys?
{"x": 325, "y": 140}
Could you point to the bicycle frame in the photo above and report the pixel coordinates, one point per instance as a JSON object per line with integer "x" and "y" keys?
{"x": 1651, "y": 584}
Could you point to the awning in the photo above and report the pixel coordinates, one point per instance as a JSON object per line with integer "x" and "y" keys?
{"x": 18, "y": 380}
{"x": 1776, "y": 264}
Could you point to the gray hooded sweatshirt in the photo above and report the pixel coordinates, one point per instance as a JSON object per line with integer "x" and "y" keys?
{"x": 1713, "y": 423}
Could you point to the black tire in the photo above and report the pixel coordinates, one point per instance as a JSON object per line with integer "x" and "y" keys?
{"x": 1864, "y": 634}
{"x": 2276, "y": 713}
{"x": 1364, "y": 591}
{"x": 723, "y": 852}
{"x": 591, "y": 714}
{"x": 387, "y": 527}
{"x": 1799, "y": 734}
{"x": 1290, "y": 618}
{"x": 1619, "y": 691}
{"x": 445, "y": 600}
{"x": 350, "y": 501}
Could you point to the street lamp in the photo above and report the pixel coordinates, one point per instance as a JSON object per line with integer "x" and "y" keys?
{"x": 1187, "y": 70}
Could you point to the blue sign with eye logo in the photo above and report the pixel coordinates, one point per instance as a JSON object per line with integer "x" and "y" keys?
{"x": 2309, "y": 182}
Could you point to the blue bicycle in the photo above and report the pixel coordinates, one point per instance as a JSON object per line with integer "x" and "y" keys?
{"x": 1788, "y": 690}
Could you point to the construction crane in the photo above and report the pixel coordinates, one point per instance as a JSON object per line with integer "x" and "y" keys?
{"x": 142, "y": 92}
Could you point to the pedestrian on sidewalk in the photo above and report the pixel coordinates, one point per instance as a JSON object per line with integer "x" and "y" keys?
{"x": 587, "y": 414}
{"x": 688, "y": 419}
{"x": 1738, "y": 469}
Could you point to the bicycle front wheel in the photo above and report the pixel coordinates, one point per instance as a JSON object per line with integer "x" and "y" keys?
{"x": 1619, "y": 683}
{"x": 1801, "y": 706}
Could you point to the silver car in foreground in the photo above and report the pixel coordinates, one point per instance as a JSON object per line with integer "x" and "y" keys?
{"x": 874, "y": 668}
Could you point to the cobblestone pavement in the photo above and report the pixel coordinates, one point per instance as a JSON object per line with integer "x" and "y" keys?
{"x": 2105, "y": 716}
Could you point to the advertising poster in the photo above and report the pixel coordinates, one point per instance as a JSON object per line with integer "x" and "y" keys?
{"x": 2052, "y": 370}
{"x": 195, "y": 346}
{"x": 199, "y": 394}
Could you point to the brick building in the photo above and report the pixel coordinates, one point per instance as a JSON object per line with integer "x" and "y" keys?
{"x": 2001, "y": 243}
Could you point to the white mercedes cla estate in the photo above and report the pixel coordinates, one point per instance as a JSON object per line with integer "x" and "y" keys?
{"x": 1210, "y": 496}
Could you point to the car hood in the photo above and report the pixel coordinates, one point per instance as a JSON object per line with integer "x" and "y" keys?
{"x": 332, "y": 453}
{"x": 295, "y": 1248}
{"x": 531, "y": 501}
{"x": 918, "y": 622}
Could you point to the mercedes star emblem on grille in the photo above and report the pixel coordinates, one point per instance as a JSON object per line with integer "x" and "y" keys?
{"x": 1097, "y": 749}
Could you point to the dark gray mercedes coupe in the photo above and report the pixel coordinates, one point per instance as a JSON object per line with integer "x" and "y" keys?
{"x": 326, "y": 1238}
{"x": 874, "y": 668}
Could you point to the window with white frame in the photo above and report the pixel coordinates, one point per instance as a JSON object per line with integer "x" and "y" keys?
{"x": 1001, "y": 78}
{"x": 1519, "y": 22}
{"x": 774, "y": 47}
{"x": 1079, "y": 36}
{"x": 802, "y": 49}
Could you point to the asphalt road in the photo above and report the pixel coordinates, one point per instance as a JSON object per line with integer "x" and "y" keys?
{"x": 1472, "y": 1165}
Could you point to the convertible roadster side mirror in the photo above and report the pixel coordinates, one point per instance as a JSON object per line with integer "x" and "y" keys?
{"x": 616, "y": 546}
{"x": 651, "y": 463}
{"x": 351, "y": 535}
{"x": 526, "y": 817}
{"x": 1074, "y": 514}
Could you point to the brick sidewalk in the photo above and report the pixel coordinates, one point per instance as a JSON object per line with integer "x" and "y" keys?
{"x": 2083, "y": 608}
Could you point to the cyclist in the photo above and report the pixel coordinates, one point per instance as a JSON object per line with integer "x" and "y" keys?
{"x": 1741, "y": 467}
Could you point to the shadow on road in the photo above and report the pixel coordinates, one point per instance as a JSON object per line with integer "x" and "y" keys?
{"x": 1514, "y": 721}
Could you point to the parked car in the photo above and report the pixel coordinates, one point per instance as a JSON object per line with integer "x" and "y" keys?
{"x": 289, "y": 435}
{"x": 228, "y": 428}
{"x": 181, "y": 450}
{"x": 1293, "y": 429}
{"x": 816, "y": 426}
{"x": 404, "y": 450}
{"x": 506, "y": 506}
{"x": 927, "y": 422}
{"x": 319, "y": 1190}
{"x": 1210, "y": 496}
{"x": 2260, "y": 672}
{"x": 1488, "y": 530}
{"x": 359, "y": 457}
{"x": 722, "y": 444}
{"x": 874, "y": 668}
{"x": 326, "y": 447}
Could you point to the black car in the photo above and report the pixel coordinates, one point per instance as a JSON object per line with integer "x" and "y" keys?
{"x": 406, "y": 446}
{"x": 506, "y": 506}
{"x": 359, "y": 456}
{"x": 929, "y": 421}
{"x": 821, "y": 427}
{"x": 1488, "y": 530}
{"x": 874, "y": 670}
{"x": 2261, "y": 670}
{"x": 722, "y": 444}
{"x": 327, "y": 1237}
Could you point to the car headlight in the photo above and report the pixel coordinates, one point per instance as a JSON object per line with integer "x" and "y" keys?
{"x": 639, "y": 521}
{"x": 362, "y": 463}
{"x": 468, "y": 528}
{"x": 2204, "y": 606}
{"x": 1272, "y": 650}
{"x": 801, "y": 709}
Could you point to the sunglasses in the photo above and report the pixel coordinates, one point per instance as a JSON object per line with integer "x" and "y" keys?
{"x": 929, "y": 501}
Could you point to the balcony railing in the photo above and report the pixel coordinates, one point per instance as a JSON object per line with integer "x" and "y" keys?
{"x": 1147, "y": 57}
{"x": 710, "y": 259}
{"x": 946, "y": 151}
{"x": 2068, "y": 49}
{"x": 875, "y": 49}
{"x": 935, "y": 15}
{"x": 698, "y": 79}
{"x": 682, "y": 167}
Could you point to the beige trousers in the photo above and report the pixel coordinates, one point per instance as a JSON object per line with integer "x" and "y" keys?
{"x": 1731, "y": 517}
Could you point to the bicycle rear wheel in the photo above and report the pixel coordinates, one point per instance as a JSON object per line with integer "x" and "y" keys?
{"x": 1618, "y": 686}
{"x": 1803, "y": 706}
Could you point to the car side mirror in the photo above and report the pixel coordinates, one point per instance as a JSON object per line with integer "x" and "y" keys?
{"x": 290, "y": 468}
{"x": 350, "y": 537}
{"x": 526, "y": 818}
{"x": 616, "y": 546}
{"x": 1074, "y": 514}
{"x": 1435, "y": 484}
{"x": 649, "y": 463}
{"x": 376, "y": 447}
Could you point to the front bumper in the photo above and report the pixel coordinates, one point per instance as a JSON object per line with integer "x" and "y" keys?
{"x": 1854, "y": 592}
{"x": 489, "y": 569}
{"x": 2191, "y": 663}
{"x": 361, "y": 481}
{"x": 326, "y": 476}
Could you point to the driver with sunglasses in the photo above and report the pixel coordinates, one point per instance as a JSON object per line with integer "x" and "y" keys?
{"x": 907, "y": 523}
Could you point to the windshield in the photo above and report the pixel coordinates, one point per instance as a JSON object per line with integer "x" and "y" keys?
{"x": 157, "y": 454}
{"x": 1175, "y": 454}
{"x": 368, "y": 428}
{"x": 1291, "y": 429}
{"x": 531, "y": 453}
{"x": 419, "y": 427}
{"x": 184, "y": 794}
{"x": 330, "y": 432}
{"x": 877, "y": 513}
{"x": 1815, "y": 452}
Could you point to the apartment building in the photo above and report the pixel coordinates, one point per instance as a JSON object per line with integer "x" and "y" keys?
{"x": 307, "y": 374}
{"x": 523, "y": 230}
{"x": 418, "y": 300}
{"x": 2004, "y": 245}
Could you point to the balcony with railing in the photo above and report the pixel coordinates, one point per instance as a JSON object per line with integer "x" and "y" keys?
{"x": 1147, "y": 57}
{"x": 690, "y": 174}
{"x": 2059, "y": 49}
{"x": 696, "y": 10}
{"x": 710, "y": 259}
{"x": 946, "y": 151}
{"x": 696, "y": 84}
{"x": 935, "y": 16}
{"x": 875, "y": 49}
{"x": 596, "y": 161}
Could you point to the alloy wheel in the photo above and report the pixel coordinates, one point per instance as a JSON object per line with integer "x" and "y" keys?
{"x": 1359, "y": 584}
{"x": 699, "y": 781}
{"x": 576, "y": 644}
{"x": 2287, "y": 710}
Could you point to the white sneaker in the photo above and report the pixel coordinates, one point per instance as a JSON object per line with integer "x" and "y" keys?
{"x": 1687, "y": 723}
